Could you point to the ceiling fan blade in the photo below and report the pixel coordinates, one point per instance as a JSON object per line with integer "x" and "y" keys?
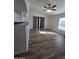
{"x": 53, "y": 9}
{"x": 45, "y": 7}
{"x": 54, "y": 6}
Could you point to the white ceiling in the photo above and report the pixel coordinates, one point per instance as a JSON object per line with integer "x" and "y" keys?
{"x": 37, "y": 5}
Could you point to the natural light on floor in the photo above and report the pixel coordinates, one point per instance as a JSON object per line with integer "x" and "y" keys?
{"x": 46, "y": 32}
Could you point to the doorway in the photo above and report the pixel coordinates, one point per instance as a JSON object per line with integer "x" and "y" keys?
{"x": 38, "y": 22}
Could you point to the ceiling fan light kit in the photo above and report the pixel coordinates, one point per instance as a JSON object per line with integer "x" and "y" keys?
{"x": 48, "y": 10}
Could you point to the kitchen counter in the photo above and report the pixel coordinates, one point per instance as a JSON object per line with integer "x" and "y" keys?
{"x": 21, "y": 23}
{"x": 18, "y": 22}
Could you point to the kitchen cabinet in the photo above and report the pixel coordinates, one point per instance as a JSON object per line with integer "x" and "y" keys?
{"x": 21, "y": 37}
{"x": 20, "y": 10}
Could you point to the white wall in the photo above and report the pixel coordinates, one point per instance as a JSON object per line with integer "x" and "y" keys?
{"x": 34, "y": 13}
{"x": 53, "y": 23}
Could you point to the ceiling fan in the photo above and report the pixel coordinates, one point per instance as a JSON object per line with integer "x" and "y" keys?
{"x": 50, "y": 7}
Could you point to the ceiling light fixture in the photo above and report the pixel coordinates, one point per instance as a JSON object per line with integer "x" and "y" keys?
{"x": 49, "y": 10}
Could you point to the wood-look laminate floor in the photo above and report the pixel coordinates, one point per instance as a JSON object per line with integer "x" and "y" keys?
{"x": 46, "y": 45}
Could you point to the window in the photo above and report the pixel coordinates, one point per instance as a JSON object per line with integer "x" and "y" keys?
{"x": 61, "y": 24}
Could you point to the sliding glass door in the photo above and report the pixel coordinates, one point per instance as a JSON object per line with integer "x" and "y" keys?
{"x": 38, "y": 22}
